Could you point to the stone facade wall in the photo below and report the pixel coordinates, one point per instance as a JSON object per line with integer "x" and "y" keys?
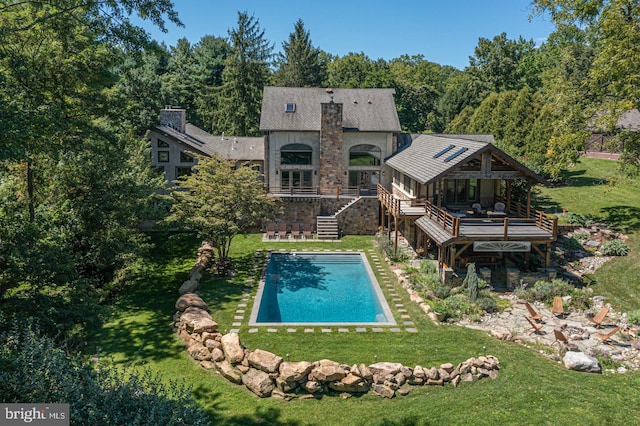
{"x": 359, "y": 219}
{"x": 332, "y": 171}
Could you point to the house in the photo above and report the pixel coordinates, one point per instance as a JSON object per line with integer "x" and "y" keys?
{"x": 338, "y": 160}
{"x": 326, "y": 149}
{"x": 174, "y": 141}
{"x": 454, "y": 192}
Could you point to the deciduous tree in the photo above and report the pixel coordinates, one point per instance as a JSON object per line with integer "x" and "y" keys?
{"x": 218, "y": 201}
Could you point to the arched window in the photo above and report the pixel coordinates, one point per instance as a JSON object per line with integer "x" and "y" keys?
{"x": 296, "y": 154}
{"x": 365, "y": 155}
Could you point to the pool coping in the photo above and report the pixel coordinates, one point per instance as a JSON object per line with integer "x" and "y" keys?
{"x": 391, "y": 321}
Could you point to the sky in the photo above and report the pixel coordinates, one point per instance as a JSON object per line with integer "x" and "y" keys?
{"x": 443, "y": 31}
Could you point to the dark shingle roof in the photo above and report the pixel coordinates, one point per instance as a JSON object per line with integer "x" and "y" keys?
{"x": 430, "y": 157}
{"x": 229, "y": 148}
{"x": 367, "y": 110}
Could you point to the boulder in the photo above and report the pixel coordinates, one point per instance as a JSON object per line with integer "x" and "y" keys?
{"x": 258, "y": 382}
{"x": 198, "y": 351}
{"x": 350, "y": 383}
{"x": 501, "y": 334}
{"x": 265, "y": 361}
{"x": 448, "y": 367}
{"x": 385, "y": 368}
{"x": 217, "y": 355}
{"x": 327, "y": 373}
{"x": 312, "y": 387}
{"x": 198, "y": 320}
{"x": 233, "y": 350}
{"x": 228, "y": 371}
{"x": 365, "y": 373}
{"x": 295, "y": 371}
{"x": 189, "y": 286}
{"x": 196, "y": 273}
{"x": 383, "y": 391}
{"x": 580, "y": 361}
{"x": 190, "y": 300}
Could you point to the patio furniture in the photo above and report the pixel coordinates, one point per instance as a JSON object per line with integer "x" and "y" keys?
{"x": 295, "y": 230}
{"x": 558, "y": 308}
{"x": 282, "y": 229}
{"x": 597, "y": 319}
{"x": 271, "y": 230}
{"x": 306, "y": 230}
{"x": 560, "y": 337}
{"x": 534, "y": 315}
{"x": 477, "y": 209}
{"x": 499, "y": 207}
{"x": 535, "y": 327}
{"x": 606, "y": 336}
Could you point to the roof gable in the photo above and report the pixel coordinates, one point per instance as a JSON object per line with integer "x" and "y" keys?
{"x": 298, "y": 109}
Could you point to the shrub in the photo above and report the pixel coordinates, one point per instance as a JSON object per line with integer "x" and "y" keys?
{"x": 579, "y": 219}
{"x": 442, "y": 291}
{"x": 614, "y": 248}
{"x": 545, "y": 291}
{"x": 487, "y": 304}
{"x": 33, "y": 368}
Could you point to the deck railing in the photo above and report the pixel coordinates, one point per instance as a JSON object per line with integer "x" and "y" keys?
{"x": 543, "y": 220}
{"x": 316, "y": 191}
{"x": 388, "y": 200}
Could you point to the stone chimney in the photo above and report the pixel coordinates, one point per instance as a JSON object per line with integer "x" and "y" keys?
{"x": 332, "y": 171}
{"x": 176, "y": 118}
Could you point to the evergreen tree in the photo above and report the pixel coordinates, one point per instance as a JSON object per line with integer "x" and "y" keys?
{"x": 299, "y": 63}
{"x": 245, "y": 74}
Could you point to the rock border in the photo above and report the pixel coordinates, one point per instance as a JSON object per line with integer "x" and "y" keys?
{"x": 268, "y": 375}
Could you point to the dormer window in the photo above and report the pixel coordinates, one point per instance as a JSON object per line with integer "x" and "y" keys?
{"x": 290, "y": 107}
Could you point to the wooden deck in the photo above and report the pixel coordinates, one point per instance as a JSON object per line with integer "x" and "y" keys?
{"x": 502, "y": 229}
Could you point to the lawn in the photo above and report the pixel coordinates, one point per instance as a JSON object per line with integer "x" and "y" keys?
{"x": 531, "y": 389}
{"x": 597, "y": 189}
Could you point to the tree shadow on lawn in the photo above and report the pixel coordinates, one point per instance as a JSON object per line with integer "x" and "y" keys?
{"x": 213, "y": 402}
{"x": 623, "y": 218}
{"x": 139, "y": 325}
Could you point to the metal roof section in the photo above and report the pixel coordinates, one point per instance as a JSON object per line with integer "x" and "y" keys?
{"x": 364, "y": 110}
{"x": 424, "y": 158}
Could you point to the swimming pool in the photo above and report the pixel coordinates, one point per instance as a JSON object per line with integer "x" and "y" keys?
{"x": 319, "y": 289}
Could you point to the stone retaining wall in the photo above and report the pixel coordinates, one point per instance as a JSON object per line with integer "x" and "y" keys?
{"x": 267, "y": 374}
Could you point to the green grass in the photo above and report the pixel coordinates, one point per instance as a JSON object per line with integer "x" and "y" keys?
{"x": 597, "y": 189}
{"x": 531, "y": 389}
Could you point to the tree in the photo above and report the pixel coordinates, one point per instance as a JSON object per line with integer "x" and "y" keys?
{"x": 218, "y": 201}
{"x": 498, "y": 61}
{"x": 357, "y": 70}
{"x": 609, "y": 85}
{"x": 299, "y": 63}
{"x": 245, "y": 74}
{"x": 66, "y": 168}
{"x": 419, "y": 83}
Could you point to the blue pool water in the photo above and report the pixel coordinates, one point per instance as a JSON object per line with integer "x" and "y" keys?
{"x": 320, "y": 288}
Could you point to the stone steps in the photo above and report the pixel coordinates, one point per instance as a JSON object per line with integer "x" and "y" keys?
{"x": 327, "y": 227}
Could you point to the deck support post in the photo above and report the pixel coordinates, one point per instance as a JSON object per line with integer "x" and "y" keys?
{"x": 528, "y": 199}
{"x": 395, "y": 229}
